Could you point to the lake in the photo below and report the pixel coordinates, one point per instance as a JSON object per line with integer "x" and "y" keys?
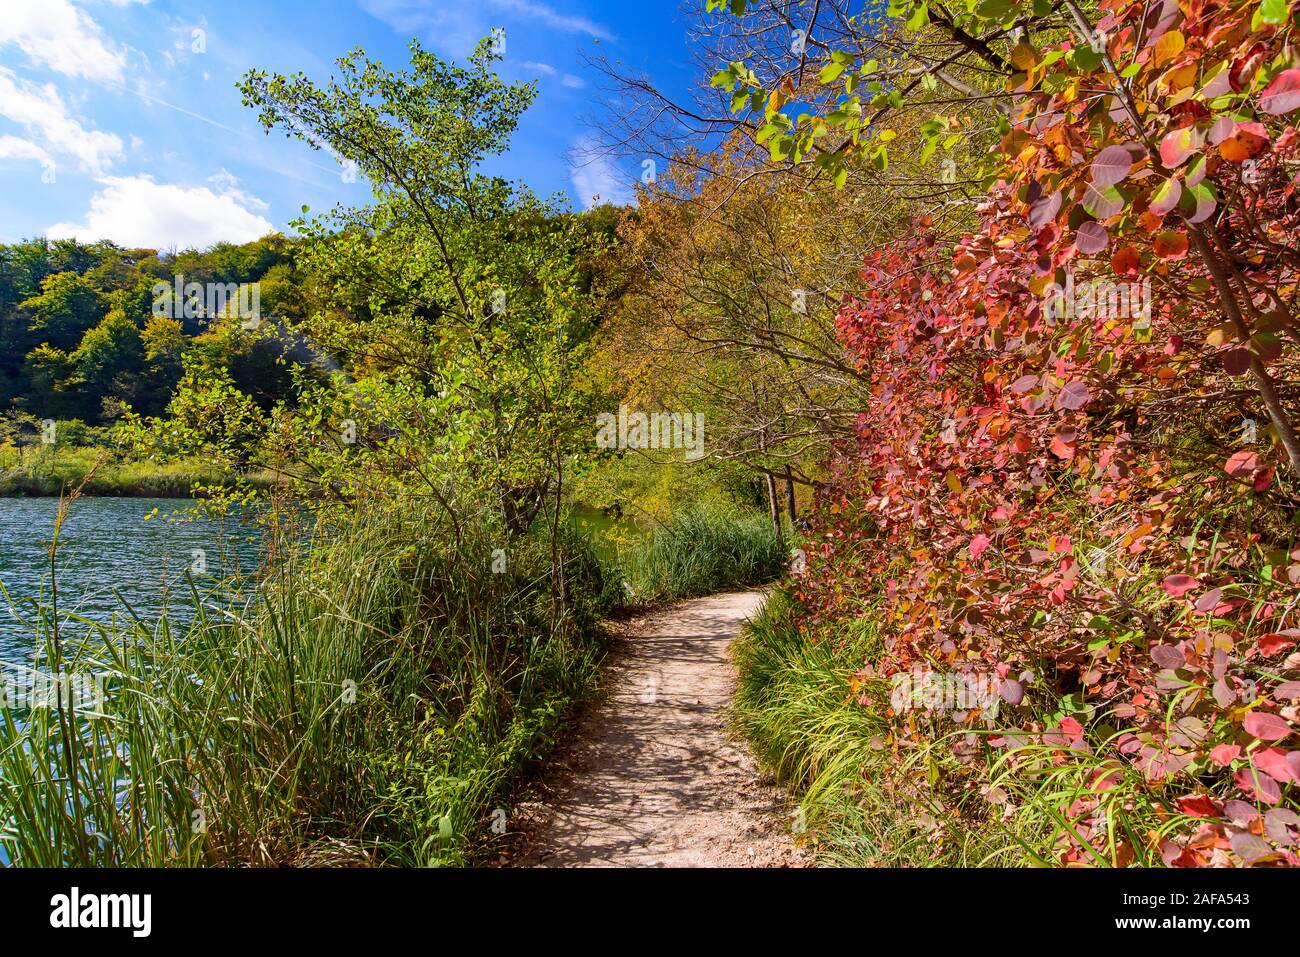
{"x": 108, "y": 545}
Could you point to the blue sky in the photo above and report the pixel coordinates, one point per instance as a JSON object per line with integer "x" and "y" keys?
{"x": 119, "y": 119}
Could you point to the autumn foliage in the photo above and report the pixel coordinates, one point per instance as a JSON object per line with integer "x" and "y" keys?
{"x": 1089, "y": 499}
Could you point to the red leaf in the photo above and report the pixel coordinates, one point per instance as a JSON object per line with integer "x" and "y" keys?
{"x": 1126, "y": 261}
{"x": 1179, "y": 585}
{"x": 1072, "y": 728}
{"x": 1111, "y": 165}
{"x": 1209, "y": 601}
{"x": 1259, "y": 786}
{"x": 1240, "y": 813}
{"x": 1012, "y": 692}
{"x": 1273, "y": 762}
{"x": 1273, "y": 644}
{"x": 1283, "y": 94}
{"x": 978, "y": 544}
{"x": 1266, "y": 727}
{"x": 1044, "y": 211}
{"x": 1242, "y": 464}
{"x": 1167, "y": 656}
{"x": 1199, "y": 805}
{"x": 1091, "y": 238}
{"x": 1073, "y": 395}
{"x": 1179, "y": 144}
{"x": 1249, "y": 847}
{"x": 1225, "y": 754}
{"x": 1247, "y": 141}
{"x": 1166, "y": 197}
{"x": 1236, "y": 361}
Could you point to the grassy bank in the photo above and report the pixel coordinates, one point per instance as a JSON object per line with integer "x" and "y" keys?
{"x": 375, "y": 704}
{"x": 798, "y": 706}
{"x": 371, "y": 707}
{"x": 50, "y": 471}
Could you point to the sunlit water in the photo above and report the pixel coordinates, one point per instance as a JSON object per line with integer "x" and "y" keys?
{"x": 110, "y": 556}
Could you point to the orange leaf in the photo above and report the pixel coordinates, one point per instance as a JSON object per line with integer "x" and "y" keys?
{"x": 1171, "y": 245}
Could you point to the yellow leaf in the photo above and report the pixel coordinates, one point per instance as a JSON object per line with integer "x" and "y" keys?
{"x": 1024, "y": 56}
{"x": 954, "y": 483}
{"x": 1220, "y": 334}
{"x": 1177, "y": 78}
{"x": 1167, "y": 47}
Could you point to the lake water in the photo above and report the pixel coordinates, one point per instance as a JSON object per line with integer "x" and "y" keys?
{"x": 107, "y": 545}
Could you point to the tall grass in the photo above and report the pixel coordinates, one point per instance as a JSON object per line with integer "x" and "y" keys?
{"x": 372, "y": 704}
{"x": 700, "y": 551}
{"x": 797, "y": 705}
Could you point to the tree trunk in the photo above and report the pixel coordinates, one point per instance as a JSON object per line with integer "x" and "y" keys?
{"x": 790, "y": 512}
{"x": 774, "y": 509}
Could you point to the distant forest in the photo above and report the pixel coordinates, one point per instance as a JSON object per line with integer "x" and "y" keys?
{"x": 79, "y": 338}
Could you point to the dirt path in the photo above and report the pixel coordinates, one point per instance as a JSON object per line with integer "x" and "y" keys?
{"x": 651, "y": 778}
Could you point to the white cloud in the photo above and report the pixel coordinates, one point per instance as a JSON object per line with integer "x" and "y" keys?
{"x": 596, "y": 177}
{"x": 136, "y": 211}
{"x": 56, "y": 34}
{"x": 227, "y": 184}
{"x": 14, "y": 147}
{"x": 572, "y": 82}
{"x": 41, "y": 111}
{"x": 549, "y": 16}
{"x": 457, "y": 27}
{"x": 543, "y": 68}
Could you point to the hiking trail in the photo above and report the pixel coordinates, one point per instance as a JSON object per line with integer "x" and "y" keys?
{"x": 650, "y": 776}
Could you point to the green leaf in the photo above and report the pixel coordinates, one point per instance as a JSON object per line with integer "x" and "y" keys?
{"x": 830, "y": 72}
{"x": 1085, "y": 58}
{"x": 994, "y": 9}
{"x": 1272, "y": 11}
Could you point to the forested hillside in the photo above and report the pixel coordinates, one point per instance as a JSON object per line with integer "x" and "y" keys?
{"x": 80, "y": 337}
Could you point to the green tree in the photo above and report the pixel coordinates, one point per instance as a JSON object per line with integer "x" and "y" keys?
{"x": 109, "y": 361}
{"x": 452, "y": 308}
{"x": 66, "y": 307}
